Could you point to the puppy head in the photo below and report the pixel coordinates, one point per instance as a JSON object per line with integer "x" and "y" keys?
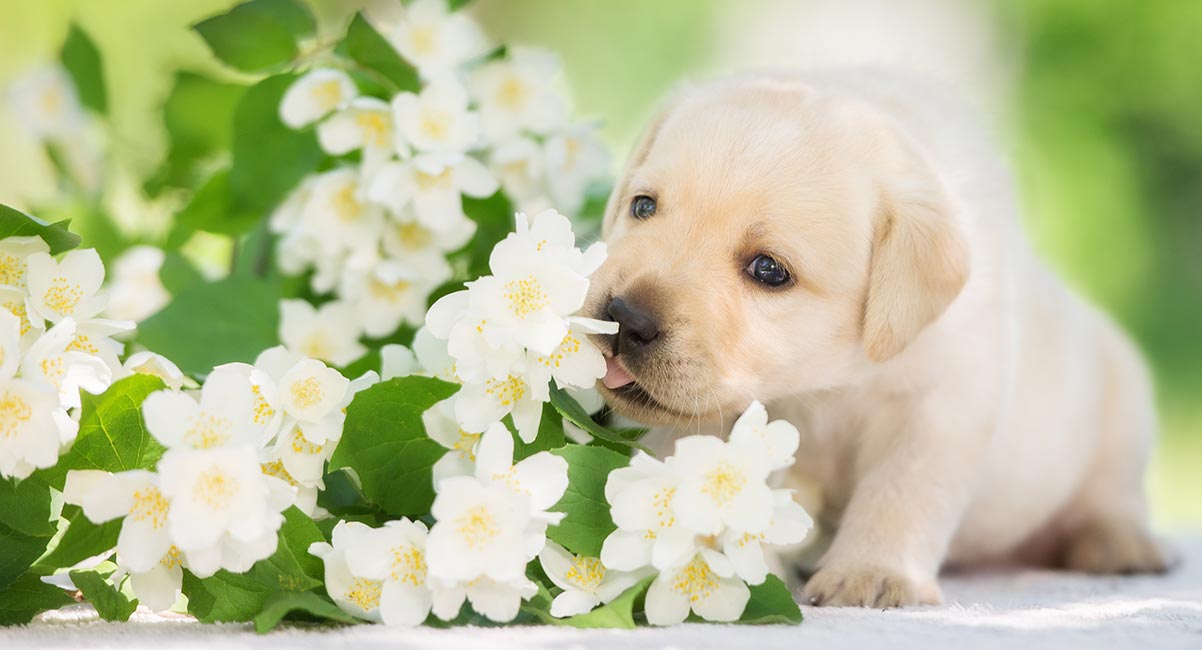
{"x": 764, "y": 241}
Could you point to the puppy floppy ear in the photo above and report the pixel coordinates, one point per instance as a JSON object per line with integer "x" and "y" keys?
{"x": 920, "y": 259}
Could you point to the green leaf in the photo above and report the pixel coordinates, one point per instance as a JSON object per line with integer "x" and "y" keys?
{"x": 112, "y": 434}
{"x": 587, "y": 521}
{"x": 14, "y": 223}
{"x": 25, "y": 506}
{"x": 199, "y": 115}
{"x": 455, "y": 5}
{"x": 110, "y": 603}
{"x": 209, "y": 324}
{"x": 25, "y": 528}
{"x": 385, "y": 443}
{"x": 82, "y": 61}
{"x": 19, "y": 553}
{"x": 771, "y": 604}
{"x": 178, "y": 273}
{"x": 28, "y": 596}
{"x": 367, "y": 47}
{"x": 269, "y": 158}
{"x": 287, "y": 604}
{"x": 575, "y": 413}
{"x": 229, "y": 596}
{"x": 81, "y": 540}
{"x": 259, "y": 34}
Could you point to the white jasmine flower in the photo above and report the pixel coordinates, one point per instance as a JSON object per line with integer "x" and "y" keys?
{"x": 550, "y": 236}
{"x": 442, "y": 427}
{"x": 300, "y": 250}
{"x": 642, "y": 503}
{"x": 14, "y": 252}
{"x": 518, "y": 163}
{"x": 355, "y": 595}
{"x": 721, "y": 485}
{"x": 789, "y": 525}
{"x": 526, "y": 300}
{"x": 305, "y": 491}
{"x": 478, "y": 406}
{"x": 542, "y": 477}
{"x": 311, "y": 391}
{"x": 395, "y": 555}
{"x": 577, "y": 362}
{"x": 431, "y": 188}
{"x": 134, "y": 496}
{"x": 95, "y": 337}
{"x": 135, "y": 290}
{"x": 146, "y": 362}
{"x": 575, "y": 159}
{"x": 496, "y": 600}
{"x": 330, "y": 332}
{"x": 387, "y": 293}
{"x": 49, "y": 360}
{"x": 46, "y": 104}
{"x": 585, "y": 581}
{"x": 365, "y": 124}
{"x": 159, "y": 587}
{"x": 30, "y": 434}
{"x": 299, "y": 461}
{"x": 287, "y": 215}
{"x": 434, "y": 39}
{"x": 16, "y": 302}
{"x": 518, "y": 94}
{"x": 480, "y": 531}
{"x": 424, "y": 249}
{"x": 314, "y": 95}
{"x": 224, "y": 510}
{"x": 337, "y": 215}
{"x": 65, "y": 288}
{"x": 432, "y": 356}
{"x": 224, "y": 416}
{"x": 436, "y": 121}
{"x": 396, "y": 360}
{"x": 712, "y": 593}
{"x": 779, "y": 438}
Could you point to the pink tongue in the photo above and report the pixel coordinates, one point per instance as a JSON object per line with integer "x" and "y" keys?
{"x": 615, "y": 375}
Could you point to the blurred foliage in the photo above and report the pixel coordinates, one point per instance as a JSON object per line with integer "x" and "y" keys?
{"x": 1106, "y": 138}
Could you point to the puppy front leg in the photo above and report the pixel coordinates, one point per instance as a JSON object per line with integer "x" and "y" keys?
{"x": 896, "y": 528}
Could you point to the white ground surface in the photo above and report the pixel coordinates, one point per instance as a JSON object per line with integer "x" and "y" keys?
{"x": 1029, "y": 610}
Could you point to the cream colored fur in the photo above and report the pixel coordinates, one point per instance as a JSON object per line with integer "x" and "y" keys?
{"x": 957, "y": 404}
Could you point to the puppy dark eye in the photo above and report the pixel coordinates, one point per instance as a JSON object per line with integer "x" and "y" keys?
{"x": 768, "y": 271}
{"x": 642, "y": 207}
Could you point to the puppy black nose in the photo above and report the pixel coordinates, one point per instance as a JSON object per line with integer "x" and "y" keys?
{"x": 636, "y": 326}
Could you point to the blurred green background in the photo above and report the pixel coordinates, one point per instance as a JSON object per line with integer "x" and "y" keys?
{"x": 1098, "y": 104}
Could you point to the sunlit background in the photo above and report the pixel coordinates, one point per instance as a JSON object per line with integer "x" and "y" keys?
{"x": 1097, "y": 104}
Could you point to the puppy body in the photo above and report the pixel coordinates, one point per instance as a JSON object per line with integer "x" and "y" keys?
{"x": 957, "y": 404}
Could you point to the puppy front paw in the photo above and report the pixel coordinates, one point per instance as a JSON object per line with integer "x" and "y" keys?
{"x": 867, "y": 586}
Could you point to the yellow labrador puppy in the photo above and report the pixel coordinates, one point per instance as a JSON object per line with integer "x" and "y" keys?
{"x": 847, "y": 250}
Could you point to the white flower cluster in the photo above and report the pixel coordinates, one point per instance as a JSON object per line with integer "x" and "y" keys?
{"x": 377, "y": 233}
{"x": 509, "y": 334}
{"x": 701, "y": 516}
{"x": 250, "y": 443}
{"x": 488, "y": 526}
{"x": 53, "y": 343}
{"x": 46, "y": 104}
